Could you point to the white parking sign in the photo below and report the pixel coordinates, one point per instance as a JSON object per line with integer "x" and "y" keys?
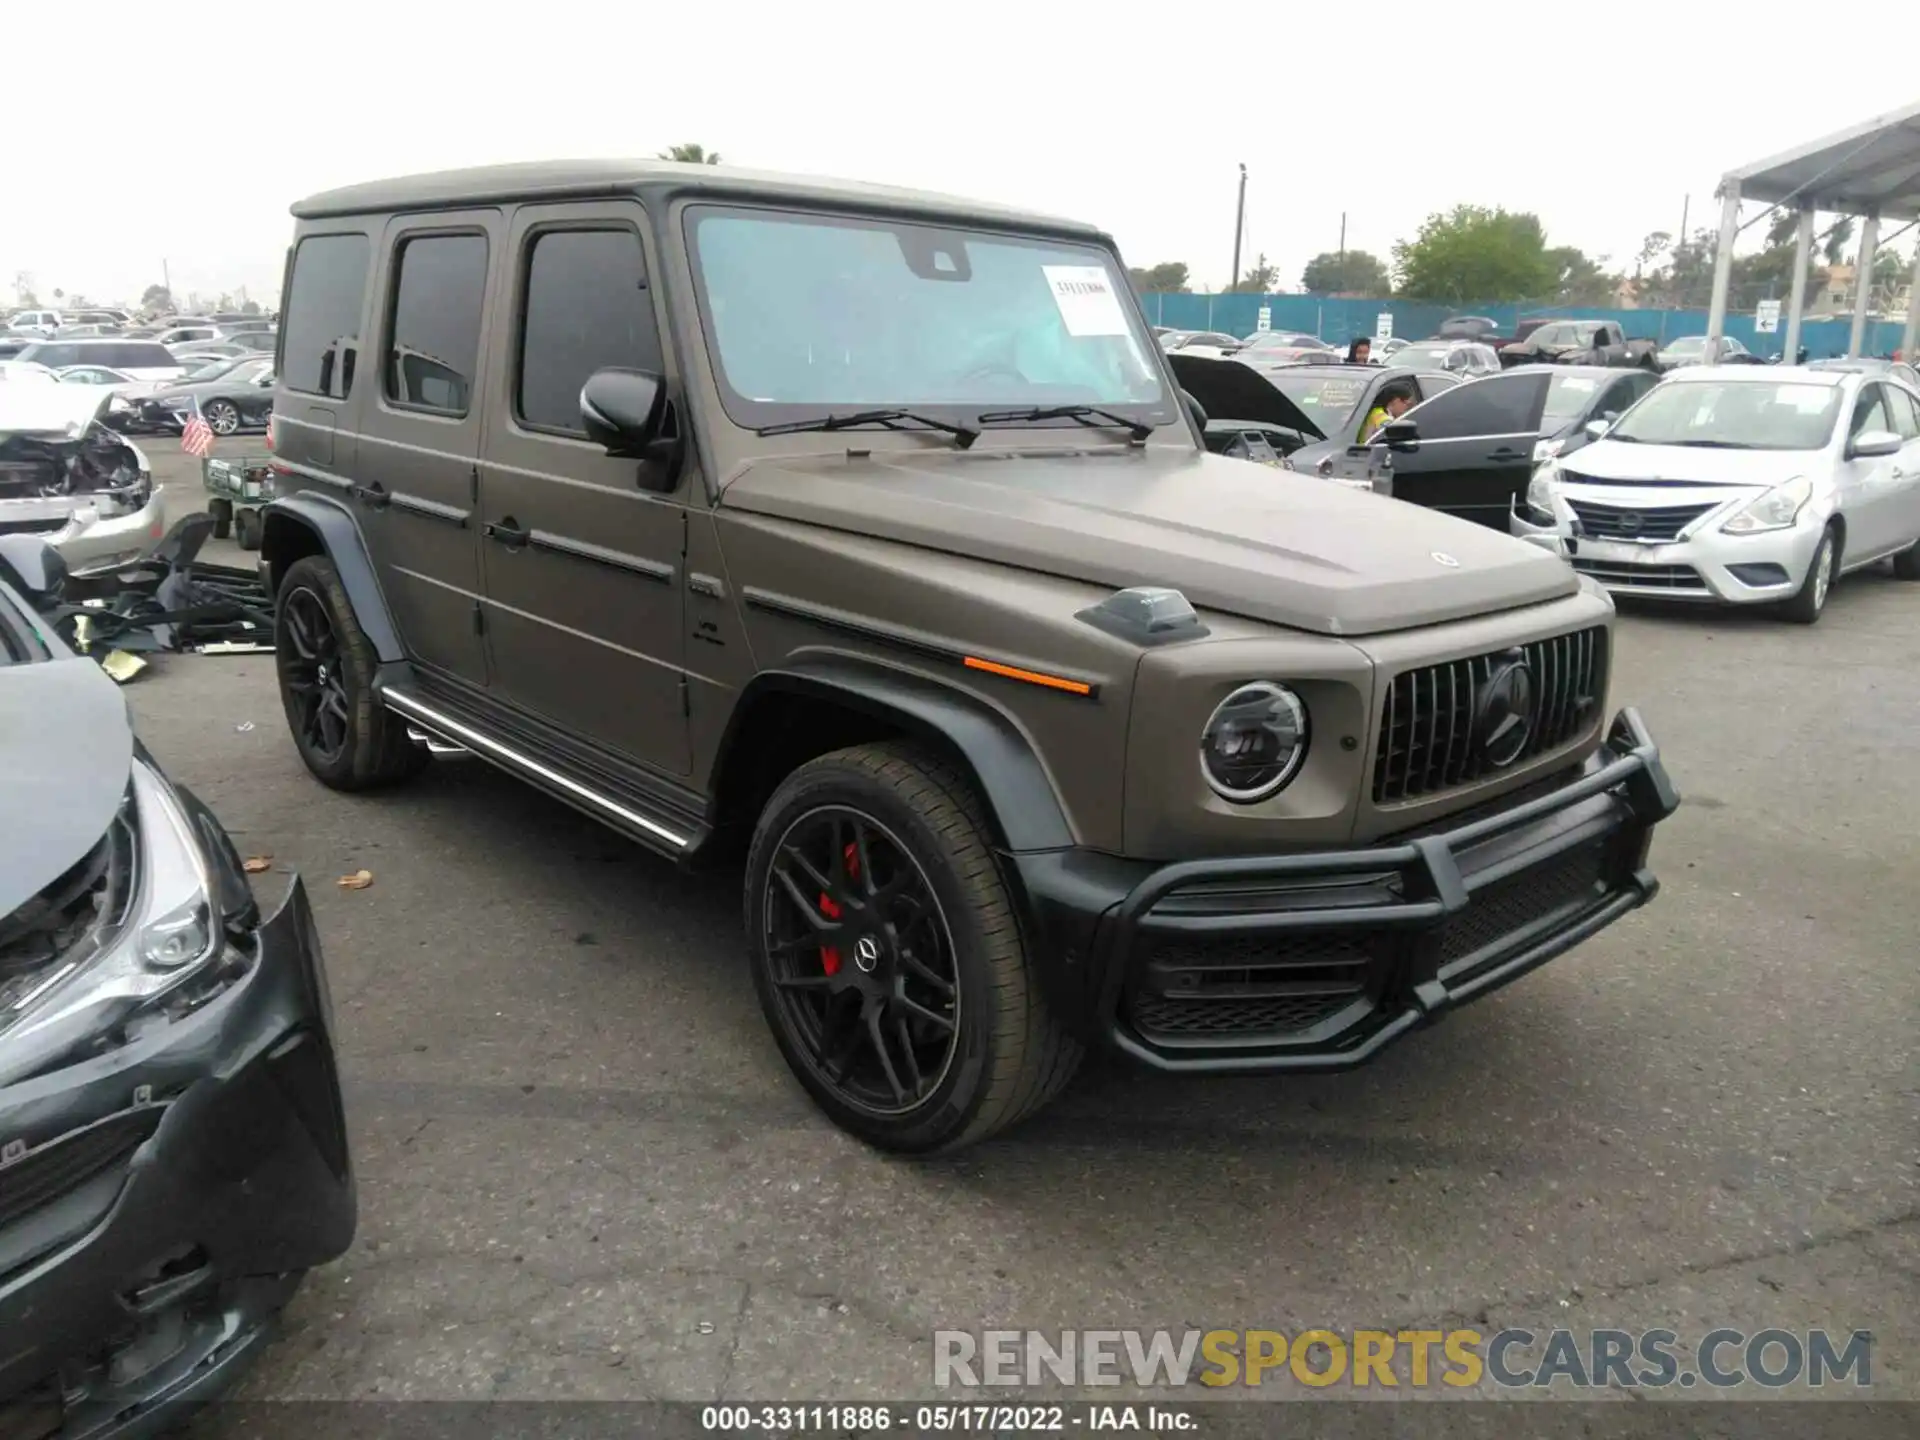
{"x": 1767, "y": 318}
{"x": 1383, "y": 325}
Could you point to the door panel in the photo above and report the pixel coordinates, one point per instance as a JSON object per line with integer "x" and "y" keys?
{"x": 420, "y": 431}
{"x": 1869, "y": 494}
{"x": 583, "y": 568}
{"x": 1475, "y": 452}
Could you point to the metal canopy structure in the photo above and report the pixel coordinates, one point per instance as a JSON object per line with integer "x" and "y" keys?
{"x": 1872, "y": 171}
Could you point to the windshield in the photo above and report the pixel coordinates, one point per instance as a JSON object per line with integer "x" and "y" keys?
{"x": 1282, "y": 340}
{"x": 206, "y": 372}
{"x": 1325, "y": 399}
{"x": 1733, "y": 415}
{"x": 1689, "y": 345}
{"x": 1423, "y": 357}
{"x": 808, "y": 314}
{"x": 1568, "y": 396}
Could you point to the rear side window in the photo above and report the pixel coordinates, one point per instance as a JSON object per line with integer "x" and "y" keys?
{"x": 440, "y": 284}
{"x": 132, "y": 355}
{"x": 322, "y": 313}
{"x": 587, "y": 308}
{"x": 1498, "y": 405}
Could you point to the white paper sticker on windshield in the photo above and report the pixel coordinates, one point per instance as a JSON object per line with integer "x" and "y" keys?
{"x": 1085, "y": 296}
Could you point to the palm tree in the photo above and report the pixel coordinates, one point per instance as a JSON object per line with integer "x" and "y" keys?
{"x": 689, "y": 155}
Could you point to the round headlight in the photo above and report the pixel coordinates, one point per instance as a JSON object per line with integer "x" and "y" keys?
{"x": 1254, "y": 743}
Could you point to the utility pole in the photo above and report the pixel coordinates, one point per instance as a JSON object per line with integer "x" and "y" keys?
{"x": 1239, "y": 225}
{"x": 1343, "y": 238}
{"x": 1686, "y": 201}
{"x": 166, "y": 277}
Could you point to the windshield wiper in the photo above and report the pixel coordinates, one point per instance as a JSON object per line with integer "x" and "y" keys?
{"x": 963, "y": 435}
{"x": 1086, "y": 414}
{"x": 1712, "y": 444}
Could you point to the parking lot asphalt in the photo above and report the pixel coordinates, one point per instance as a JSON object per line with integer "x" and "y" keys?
{"x": 585, "y": 1173}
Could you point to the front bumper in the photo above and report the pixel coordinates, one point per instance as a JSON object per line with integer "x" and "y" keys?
{"x": 87, "y": 538}
{"x": 1317, "y": 961}
{"x": 160, "y": 1202}
{"x": 1709, "y": 566}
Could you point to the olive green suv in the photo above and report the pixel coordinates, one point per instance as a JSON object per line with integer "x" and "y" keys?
{"x": 867, "y": 530}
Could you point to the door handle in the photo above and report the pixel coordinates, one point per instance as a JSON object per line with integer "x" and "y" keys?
{"x": 1507, "y": 454}
{"x": 374, "y": 495}
{"x": 508, "y": 533}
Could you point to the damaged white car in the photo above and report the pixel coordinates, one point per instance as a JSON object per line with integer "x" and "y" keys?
{"x": 67, "y": 478}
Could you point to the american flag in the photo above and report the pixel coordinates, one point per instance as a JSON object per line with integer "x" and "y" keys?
{"x": 197, "y": 438}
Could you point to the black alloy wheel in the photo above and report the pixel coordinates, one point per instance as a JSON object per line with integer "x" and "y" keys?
{"x": 311, "y": 675}
{"x": 863, "y": 959}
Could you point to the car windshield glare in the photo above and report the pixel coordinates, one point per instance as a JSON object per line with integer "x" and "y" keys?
{"x": 1326, "y": 399}
{"x": 807, "y": 314}
{"x": 1734, "y": 415}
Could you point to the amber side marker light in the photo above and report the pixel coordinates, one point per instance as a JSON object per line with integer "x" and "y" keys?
{"x": 1032, "y": 677}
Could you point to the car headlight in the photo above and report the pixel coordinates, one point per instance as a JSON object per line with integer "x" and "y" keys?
{"x": 1540, "y": 491}
{"x": 1254, "y": 743}
{"x": 1775, "y": 510}
{"x": 1547, "y": 449}
{"x": 110, "y": 940}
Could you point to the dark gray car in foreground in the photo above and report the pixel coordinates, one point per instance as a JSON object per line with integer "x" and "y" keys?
{"x": 173, "y": 1155}
{"x": 866, "y": 532}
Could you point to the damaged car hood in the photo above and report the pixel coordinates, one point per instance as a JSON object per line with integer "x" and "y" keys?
{"x": 66, "y": 757}
{"x": 1231, "y": 390}
{"x": 54, "y": 412}
{"x": 1240, "y": 538}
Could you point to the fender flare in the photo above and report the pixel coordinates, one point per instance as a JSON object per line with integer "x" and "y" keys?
{"x": 296, "y": 526}
{"x": 1019, "y": 793}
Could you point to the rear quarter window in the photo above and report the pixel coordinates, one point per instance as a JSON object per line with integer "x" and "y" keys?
{"x": 320, "y": 328}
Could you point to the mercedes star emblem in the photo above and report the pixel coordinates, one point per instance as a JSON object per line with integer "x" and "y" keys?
{"x": 1446, "y": 560}
{"x": 1505, "y": 712}
{"x": 866, "y": 954}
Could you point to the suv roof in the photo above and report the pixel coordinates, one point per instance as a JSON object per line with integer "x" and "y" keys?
{"x": 592, "y": 179}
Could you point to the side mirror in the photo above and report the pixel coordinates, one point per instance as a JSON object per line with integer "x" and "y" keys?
{"x": 1399, "y": 435}
{"x": 33, "y": 567}
{"x": 1870, "y": 444}
{"x": 1194, "y": 408}
{"x": 1598, "y": 428}
{"x": 627, "y": 411}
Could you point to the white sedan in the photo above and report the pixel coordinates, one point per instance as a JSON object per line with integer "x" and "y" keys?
{"x": 1740, "y": 485}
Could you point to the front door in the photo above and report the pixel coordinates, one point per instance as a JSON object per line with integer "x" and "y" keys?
{"x": 419, "y": 433}
{"x": 1475, "y": 452}
{"x": 582, "y": 566}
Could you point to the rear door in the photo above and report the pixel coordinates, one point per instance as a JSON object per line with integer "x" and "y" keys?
{"x": 583, "y": 567}
{"x": 419, "y": 432}
{"x": 1475, "y": 452}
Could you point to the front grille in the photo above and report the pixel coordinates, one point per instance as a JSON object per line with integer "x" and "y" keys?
{"x": 1427, "y": 744}
{"x": 1506, "y": 906}
{"x": 1622, "y": 522}
{"x": 1620, "y": 576}
{"x": 43, "y": 1174}
{"x": 1247, "y": 985}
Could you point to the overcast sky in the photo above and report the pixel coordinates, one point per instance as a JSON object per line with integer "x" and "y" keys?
{"x": 1133, "y": 117}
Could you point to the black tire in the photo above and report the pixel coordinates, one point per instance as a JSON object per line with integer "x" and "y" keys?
{"x": 1004, "y": 1056}
{"x": 222, "y": 512}
{"x": 248, "y": 528}
{"x": 324, "y": 662}
{"x": 1906, "y": 565}
{"x": 1810, "y": 603}
{"x": 222, "y": 417}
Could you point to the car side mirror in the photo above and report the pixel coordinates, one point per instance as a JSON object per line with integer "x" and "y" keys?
{"x": 1399, "y": 435}
{"x": 33, "y": 567}
{"x": 1596, "y": 429}
{"x": 627, "y": 411}
{"x": 1195, "y": 409}
{"x": 1870, "y": 444}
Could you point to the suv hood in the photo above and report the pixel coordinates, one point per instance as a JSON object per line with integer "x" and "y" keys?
{"x": 1617, "y": 462}
{"x": 1234, "y": 390}
{"x": 51, "y": 412}
{"x": 1232, "y": 536}
{"x": 66, "y": 756}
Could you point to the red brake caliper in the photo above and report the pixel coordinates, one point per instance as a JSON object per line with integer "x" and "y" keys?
{"x": 829, "y": 955}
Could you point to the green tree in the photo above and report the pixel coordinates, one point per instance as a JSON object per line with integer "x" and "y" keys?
{"x": 251, "y": 307}
{"x": 1581, "y": 280}
{"x": 1838, "y": 238}
{"x": 156, "y": 297}
{"x": 1476, "y": 253}
{"x": 689, "y": 155}
{"x": 1354, "y": 273}
{"x": 1169, "y": 277}
{"x": 1258, "y": 280}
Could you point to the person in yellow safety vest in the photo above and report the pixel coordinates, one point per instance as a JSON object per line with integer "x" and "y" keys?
{"x": 1392, "y": 403}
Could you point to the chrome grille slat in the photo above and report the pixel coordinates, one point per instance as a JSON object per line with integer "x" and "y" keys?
{"x": 1656, "y": 523}
{"x": 1425, "y": 744}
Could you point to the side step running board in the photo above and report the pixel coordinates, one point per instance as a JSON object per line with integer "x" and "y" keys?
{"x": 435, "y": 745}
{"x": 462, "y": 736}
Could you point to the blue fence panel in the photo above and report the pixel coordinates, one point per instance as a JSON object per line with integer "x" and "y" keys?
{"x": 1339, "y": 320}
